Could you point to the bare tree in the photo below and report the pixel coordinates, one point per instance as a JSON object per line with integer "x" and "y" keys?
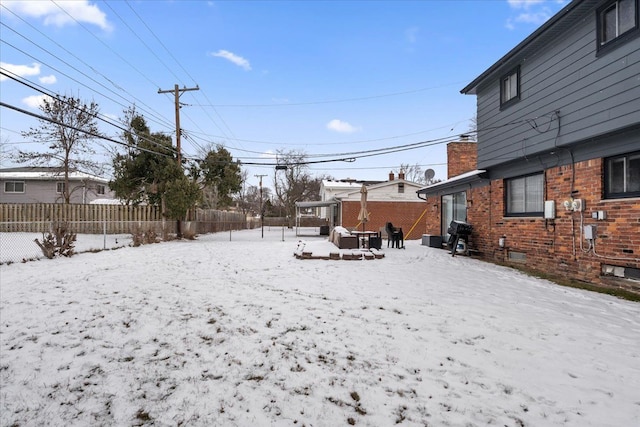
{"x": 473, "y": 128}
{"x": 292, "y": 182}
{"x": 68, "y": 126}
{"x": 412, "y": 173}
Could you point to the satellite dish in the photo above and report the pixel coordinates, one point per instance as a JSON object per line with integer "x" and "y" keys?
{"x": 429, "y": 174}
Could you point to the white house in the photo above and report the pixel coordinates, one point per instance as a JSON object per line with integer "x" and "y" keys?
{"x": 46, "y": 185}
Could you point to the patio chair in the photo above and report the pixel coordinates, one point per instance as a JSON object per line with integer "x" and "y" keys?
{"x": 395, "y": 236}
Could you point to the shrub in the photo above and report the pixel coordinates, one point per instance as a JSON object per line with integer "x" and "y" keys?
{"x": 60, "y": 242}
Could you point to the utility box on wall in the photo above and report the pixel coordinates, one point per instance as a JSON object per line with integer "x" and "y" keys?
{"x": 549, "y": 209}
{"x": 431, "y": 241}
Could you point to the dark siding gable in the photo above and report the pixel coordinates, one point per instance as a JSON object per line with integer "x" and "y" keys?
{"x": 593, "y": 95}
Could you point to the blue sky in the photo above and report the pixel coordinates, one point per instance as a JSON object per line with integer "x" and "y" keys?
{"x": 328, "y": 78}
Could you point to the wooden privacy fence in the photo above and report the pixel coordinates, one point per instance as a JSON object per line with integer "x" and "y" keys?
{"x": 96, "y": 219}
{"x": 93, "y": 218}
{"x": 212, "y": 221}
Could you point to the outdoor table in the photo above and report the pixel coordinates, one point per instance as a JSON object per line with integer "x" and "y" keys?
{"x": 365, "y": 235}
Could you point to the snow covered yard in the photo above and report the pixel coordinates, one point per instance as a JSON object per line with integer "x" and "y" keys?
{"x": 215, "y": 332}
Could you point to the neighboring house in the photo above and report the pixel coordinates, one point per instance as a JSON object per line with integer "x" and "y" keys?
{"x": 330, "y": 207}
{"x": 555, "y": 186}
{"x": 45, "y": 185}
{"x": 388, "y": 201}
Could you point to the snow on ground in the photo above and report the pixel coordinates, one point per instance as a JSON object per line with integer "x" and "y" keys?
{"x": 233, "y": 330}
{"x": 19, "y": 246}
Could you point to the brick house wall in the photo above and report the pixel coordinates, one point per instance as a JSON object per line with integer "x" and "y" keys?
{"x": 464, "y": 155}
{"x": 556, "y": 246}
{"x": 401, "y": 214}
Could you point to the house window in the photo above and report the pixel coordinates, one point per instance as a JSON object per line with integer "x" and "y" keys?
{"x": 510, "y": 88}
{"x": 616, "y": 21}
{"x": 525, "y": 195}
{"x": 622, "y": 176}
{"x": 14, "y": 187}
{"x": 59, "y": 187}
{"x": 100, "y": 190}
{"x": 401, "y": 187}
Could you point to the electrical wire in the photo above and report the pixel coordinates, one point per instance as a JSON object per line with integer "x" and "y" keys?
{"x": 334, "y": 101}
{"x": 33, "y": 86}
{"x": 92, "y": 134}
{"x": 72, "y": 78}
{"x": 159, "y": 119}
{"x": 183, "y": 69}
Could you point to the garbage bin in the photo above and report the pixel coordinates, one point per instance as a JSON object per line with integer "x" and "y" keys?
{"x": 324, "y": 230}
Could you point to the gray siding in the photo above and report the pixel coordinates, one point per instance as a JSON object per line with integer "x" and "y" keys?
{"x": 44, "y": 191}
{"x": 596, "y": 97}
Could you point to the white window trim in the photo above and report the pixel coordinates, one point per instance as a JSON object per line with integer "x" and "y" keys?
{"x": 14, "y": 183}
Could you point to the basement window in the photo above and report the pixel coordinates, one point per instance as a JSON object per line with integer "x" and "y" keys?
{"x": 517, "y": 256}
{"x": 621, "y": 272}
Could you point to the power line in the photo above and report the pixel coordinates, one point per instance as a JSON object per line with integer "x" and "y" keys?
{"x": 72, "y": 78}
{"x": 51, "y": 94}
{"x": 143, "y": 75}
{"x": 150, "y": 111}
{"x": 185, "y": 71}
{"x": 92, "y": 134}
{"x": 334, "y": 101}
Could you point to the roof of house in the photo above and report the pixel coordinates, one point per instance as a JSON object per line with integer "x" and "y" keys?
{"x": 566, "y": 18}
{"x": 46, "y": 173}
{"x": 467, "y": 178}
{"x": 346, "y": 184}
{"x": 371, "y": 188}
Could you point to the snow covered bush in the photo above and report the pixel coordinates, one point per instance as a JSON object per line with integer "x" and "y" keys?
{"x": 58, "y": 242}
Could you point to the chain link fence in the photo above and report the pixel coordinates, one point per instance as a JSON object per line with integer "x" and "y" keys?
{"x": 100, "y": 227}
{"x": 18, "y": 239}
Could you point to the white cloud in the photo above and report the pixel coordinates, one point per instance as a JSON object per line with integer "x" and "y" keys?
{"x": 523, "y": 4}
{"x": 35, "y": 101}
{"x": 342, "y": 127}
{"x": 531, "y": 12}
{"x": 60, "y": 13}
{"x": 20, "y": 70}
{"x": 411, "y": 34}
{"x": 48, "y": 80}
{"x": 230, "y": 56}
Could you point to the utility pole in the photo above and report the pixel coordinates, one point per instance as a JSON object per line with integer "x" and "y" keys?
{"x": 261, "y": 207}
{"x": 176, "y": 93}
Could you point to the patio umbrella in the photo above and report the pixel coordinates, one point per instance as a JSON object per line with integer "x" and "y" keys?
{"x": 363, "y": 216}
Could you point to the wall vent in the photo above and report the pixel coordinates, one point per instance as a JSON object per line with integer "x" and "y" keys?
{"x": 517, "y": 256}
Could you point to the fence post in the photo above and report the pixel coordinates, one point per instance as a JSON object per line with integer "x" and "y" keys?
{"x": 104, "y": 235}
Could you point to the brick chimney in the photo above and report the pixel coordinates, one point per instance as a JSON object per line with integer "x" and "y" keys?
{"x": 462, "y": 156}
{"x": 391, "y": 176}
{"x": 401, "y": 174}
